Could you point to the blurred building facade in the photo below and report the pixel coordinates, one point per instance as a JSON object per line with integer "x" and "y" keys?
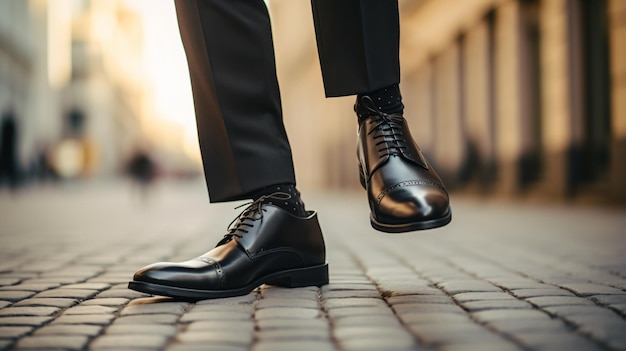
{"x": 521, "y": 98}
{"x": 72, "y": 77}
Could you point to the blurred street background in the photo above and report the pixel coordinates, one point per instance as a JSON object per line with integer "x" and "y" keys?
{"x": 524, "y": 99}
{"x": 520, "y": 104}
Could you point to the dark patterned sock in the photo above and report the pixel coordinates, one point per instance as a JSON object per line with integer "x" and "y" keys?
{"x": 292, "y": 203}
{"x": 387, "y": 100}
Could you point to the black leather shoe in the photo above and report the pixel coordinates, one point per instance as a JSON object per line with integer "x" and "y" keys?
{"x": 265, "y": 245}
{"x": 404, "y": 191}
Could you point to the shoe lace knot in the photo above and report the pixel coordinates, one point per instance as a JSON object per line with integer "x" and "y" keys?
{"x": 250, "y": 215}
{"x": 388, "y": 135}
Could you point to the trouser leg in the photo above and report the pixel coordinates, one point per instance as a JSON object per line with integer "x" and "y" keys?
{"x": 236, "y": 97}
{"x": 358, "y": 44}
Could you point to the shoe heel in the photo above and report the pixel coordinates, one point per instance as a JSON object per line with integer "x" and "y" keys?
{"x": 310, "y": 276}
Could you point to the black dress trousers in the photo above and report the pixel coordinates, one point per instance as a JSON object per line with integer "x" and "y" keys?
{"x": 230, "y": 54}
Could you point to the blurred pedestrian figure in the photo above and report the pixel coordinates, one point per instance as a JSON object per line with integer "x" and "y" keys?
{"x": 9, "y": 169}
{"x": 142, "y": 170}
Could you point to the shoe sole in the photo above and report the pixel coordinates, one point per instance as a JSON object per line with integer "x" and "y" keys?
{"x": 410, "y": 227}
{"x": 293, "y": 278}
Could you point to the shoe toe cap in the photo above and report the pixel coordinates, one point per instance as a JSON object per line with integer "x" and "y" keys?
{"x": 413, "y": 203}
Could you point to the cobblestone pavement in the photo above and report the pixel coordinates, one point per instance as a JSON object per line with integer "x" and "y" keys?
{"x": 502, "y": 276}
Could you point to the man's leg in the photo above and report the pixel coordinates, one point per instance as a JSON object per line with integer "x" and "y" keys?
{"x": 237, "y": 102}
{"x": 245, "y": 155}
{"x": 358, "y": 44}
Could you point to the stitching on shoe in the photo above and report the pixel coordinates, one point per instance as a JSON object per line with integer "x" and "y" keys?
{"x": 403, "y": 184}
{"x": 218, "y": 269}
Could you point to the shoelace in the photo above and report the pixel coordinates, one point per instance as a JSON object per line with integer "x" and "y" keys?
{"x": 388, "y": 129}
{"x": 246, "y": 220}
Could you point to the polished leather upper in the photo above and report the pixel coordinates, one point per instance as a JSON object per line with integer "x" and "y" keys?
{"x": 402, "y": 185}
{"x": 263, "y": 240}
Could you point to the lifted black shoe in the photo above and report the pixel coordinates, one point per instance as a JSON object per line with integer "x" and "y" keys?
{"x": 404, "y": 191}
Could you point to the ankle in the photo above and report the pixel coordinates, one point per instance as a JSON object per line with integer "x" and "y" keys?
{"x": 387, "y": 100}
{"x": 292, "y": 203}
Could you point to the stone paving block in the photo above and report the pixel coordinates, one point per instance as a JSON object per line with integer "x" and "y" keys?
{"x": 28, "y": 311}
{"x": 121, "y": 293}
{"x": 88, "y": 286}
{"x": 368, "y": 311}
{"x": 294, "y": 334}
{"x": 426, "y": 308}
{"x": 289, "y": 345}
{"x": 217, "y": 325}
{"x": 548, "y": 301}
{"x": 53, "y": 302}
{"x": 360, "y": 321}
{"x": 36, "y": 287}
{"x": 97, "y": 319}
{"x": 353, "y": 302}
{"x": 4, "y": 304}
{"x": 69, "y": 329}
{"x": 454, "y": 287}
{"x": 105, "y": 302}
{"x": 287, "y": 313}
{"x": 621, "y": 308}
{"x": 147, "y": 319}
{"x": 285, "y": 293}
{"x": 375, "y": 339}
{"x": 372, "y": 330}
{"x": 512, "y": 326}
{"x": 319, "y": 323}
{"x": 201, "y": 347}
{"x": 9, "y": 281}
{"x": 56, "y": 280}
{"x": 527, "y": 293}
{"x": 482, "y": 296}
{"x": 339, "y": 294}
{"x": 247, "y": 308}
{"x": 245, "y": 299}
{"x": 610, "y": 299}
{"x": 15, "y": 295}
{"x": 111, "y": 278}
{"x": 611, "y": 331}
{"x": 342, "y": 287}
{"x": 210, "y": 337}
{"x": 176, "y": 308}
{"x": 51, "y": 342}
{"x": 23, "y": 321}
{"x": 495, "y": 315}
{"x": 513, "y": 283}
{"x": 140, "y": 329}
{"x": 550, "y": 341}
{"x": 273, "y": 303}
{"x": 215, "y": 315}
{"x": 129, "y": 341}
{"x": 474, "y": 306}
{"x": 584, "y": 310}
{"x": 90, "y": 310}
{"x": 418, "y": 291}
{"x": 454, "y": 333}
{"x": 434, "y": 318}
{"x": 14, "y": 332}
{"x": 504, "y": 345}
{"x": 590, "y": 289}
{"x": 67, "y": 293}
{"x": 429, "y": 299}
